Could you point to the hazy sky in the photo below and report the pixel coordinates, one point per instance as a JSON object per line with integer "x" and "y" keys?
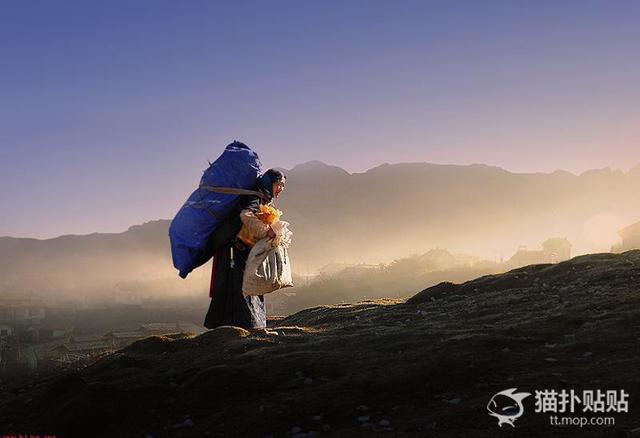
{"x": 109, "y": 110}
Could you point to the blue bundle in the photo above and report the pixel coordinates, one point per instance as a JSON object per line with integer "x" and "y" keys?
{"x": 198, "y": 218}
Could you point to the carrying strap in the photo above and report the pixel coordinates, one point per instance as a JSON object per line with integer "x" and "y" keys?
{"x": 233, "y": 191}
{"x": 228, "y": 191}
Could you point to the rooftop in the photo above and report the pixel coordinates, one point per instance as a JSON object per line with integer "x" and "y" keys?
{"x": 127, "y": 334}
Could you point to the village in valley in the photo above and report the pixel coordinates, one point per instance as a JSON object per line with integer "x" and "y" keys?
{"x": 34, "y": 337}
{"x": 38, "y": 336}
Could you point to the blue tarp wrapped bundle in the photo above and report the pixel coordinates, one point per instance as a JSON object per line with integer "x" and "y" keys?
{"x": 196, "y": 221}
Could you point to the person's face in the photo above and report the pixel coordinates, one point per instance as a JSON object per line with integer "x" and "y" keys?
{"x": 277, "y": 188}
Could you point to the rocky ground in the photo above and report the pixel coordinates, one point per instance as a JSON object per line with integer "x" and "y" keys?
{"x": 425, "y": 367}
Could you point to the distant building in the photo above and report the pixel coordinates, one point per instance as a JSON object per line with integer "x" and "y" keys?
{"x": 158, "y": 328}
{"x": 276, "y": 303}
{"x": 73, "y": 351}
{"x": 630, "y": 238}
{"x": 438, "y": 259}
{"x": 53, "y": 327}
{"x": 122, "y": 339}
{"x": 525, "y": 256}
{"x": 50, "y": 330}
{"x": 468, "y": 261}
{"x": 554, "y": 250}
{"x": 21, "y": 311}
{"x": 6, "y": 329}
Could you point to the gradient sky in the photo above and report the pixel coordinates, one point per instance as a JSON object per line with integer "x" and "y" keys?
{"x": 109, "y": 110}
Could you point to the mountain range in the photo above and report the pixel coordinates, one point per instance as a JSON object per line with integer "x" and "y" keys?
{"x": 385, "y": 213}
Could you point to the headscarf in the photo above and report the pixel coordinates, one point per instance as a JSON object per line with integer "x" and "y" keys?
{"x": 265, "y": 182}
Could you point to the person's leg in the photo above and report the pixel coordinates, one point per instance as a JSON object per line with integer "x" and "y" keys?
{"x": 219, "y": 312}
{"x": 257, "y": 312}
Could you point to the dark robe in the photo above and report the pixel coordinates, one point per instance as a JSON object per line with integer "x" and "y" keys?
{"x": 228, "y": 305}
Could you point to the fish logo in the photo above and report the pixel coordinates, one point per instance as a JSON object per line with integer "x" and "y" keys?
{"x": 506, "y": 406}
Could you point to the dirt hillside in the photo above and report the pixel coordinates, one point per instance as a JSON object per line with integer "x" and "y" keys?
{"x": 427, "y": 367}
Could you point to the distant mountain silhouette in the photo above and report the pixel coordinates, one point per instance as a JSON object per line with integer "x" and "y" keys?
{"x": 382, "y": 214}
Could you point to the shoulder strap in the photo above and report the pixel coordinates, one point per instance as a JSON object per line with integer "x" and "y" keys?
{"x": 233, "y": 191}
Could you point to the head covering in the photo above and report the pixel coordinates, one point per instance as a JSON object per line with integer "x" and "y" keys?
{"x": 265, "y": 182}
